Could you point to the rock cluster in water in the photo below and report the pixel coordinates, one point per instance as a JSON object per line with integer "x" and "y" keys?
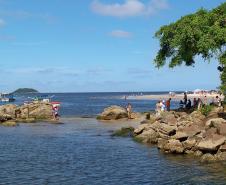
{"x": 115, "y": 112}
{"x": 11, "y": 114}
{"x": 183, "y": 133}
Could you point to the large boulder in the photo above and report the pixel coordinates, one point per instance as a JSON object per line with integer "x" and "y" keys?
{"x": 167, "y": 129}
{"x": 113, "y": 113}
{"x": 214, "y": 122}
{"x": 211, "y": 143}
{"x": 35, "y": 110}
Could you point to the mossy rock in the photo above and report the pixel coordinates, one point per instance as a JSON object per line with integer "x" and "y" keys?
{"x": 124, "y": 132}
{"x": 138, "y": 139}
{"x": 10, "y": 124}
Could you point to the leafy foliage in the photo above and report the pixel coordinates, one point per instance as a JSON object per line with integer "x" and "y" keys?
{"x": 200, "y": 34}
{"x": 205, "y": 110}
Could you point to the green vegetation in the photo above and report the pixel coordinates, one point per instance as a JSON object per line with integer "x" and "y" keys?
{"x": 124, "y": 132}
{"x": 205, "y": 110}
{"x": 25, "y": 91}
{"x": 200, "y": 34}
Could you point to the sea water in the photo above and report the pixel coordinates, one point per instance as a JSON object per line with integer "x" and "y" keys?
{"x": 82, "y": 151}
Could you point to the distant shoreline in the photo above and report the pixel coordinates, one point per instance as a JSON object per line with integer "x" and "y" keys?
{"x": 176, "y": 97}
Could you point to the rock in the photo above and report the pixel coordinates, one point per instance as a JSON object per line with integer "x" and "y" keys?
{"x": 189, "y": 143}
{"x": 42, "y": 111}
{"x": 198, "y": 153}
{"x": 135, "y": 115}
{"x": 215, "y": 122}
{"x": 8, "y": 109}
{"x": 197, "y": 116}
{"x": 124, "y": 132}
{"x": 174, "y": 146}
{"x": 221, "y": 156}
{"x": 168, "y": 118}
{"x": 10, "y": 124}
{"x": 221, "y": 129}
{"x": 148, "y": 136}
{"x": 5, "y": 117}
{"x": 167, "y": 129}
{"x": 161, "y": 143}
{"x": 223, "y": 148}
{"x": 209, "y": 132}
{"x": 140, "y": 128}
{"x": 211, "y": 143}
{"x": 208, "y": 158}
{"x": 188, "y": 131}
{"x": 113, "y": 113}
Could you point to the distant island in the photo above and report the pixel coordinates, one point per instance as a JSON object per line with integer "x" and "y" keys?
{"x": 25, "y": 91}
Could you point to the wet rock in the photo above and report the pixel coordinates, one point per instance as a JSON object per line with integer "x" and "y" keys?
{"x": 198, "y": 153}
{"x": 148, "y": 136}
{"x": 208, "y": 158}
{"x": 221, "y": 156}
{"x": 113, "y": 113}
{"x": 174, "y": 146}
{"x": 211, "y": 143}
{"x": 141, "y": 128}
{"x": 10, "y": 124}
{"x": 161, "y": 143}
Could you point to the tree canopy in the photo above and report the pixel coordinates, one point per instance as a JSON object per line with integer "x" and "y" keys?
{"x": 202, "y": 33}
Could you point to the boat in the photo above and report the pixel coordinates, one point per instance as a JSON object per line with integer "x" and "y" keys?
{"x": 7, "y": 97}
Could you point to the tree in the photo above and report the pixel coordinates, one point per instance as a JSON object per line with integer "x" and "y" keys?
{"x": 199, "y": 34}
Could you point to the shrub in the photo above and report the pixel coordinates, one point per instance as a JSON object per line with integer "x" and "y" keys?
{"x": 205, "y": 110}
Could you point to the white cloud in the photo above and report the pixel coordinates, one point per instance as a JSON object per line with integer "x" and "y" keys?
{"x": 120, "y": 34}
{"x": 2, "y": 23}
{"x": 129, "y": 8}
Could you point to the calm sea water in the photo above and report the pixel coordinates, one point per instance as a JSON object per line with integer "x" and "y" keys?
{"x": 82, "y": 151}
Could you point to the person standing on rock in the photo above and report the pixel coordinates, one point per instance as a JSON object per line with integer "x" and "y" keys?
{"x": 185, "y": 98}
{"x": 129, "y": 110}
{"x": 158, "y": 108}
{"x": 168, "y": 104}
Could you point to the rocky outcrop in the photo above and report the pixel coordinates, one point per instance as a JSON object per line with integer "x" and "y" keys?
{"x": 10, "y": 114}
{"x": 179, "y": 132}
{"x": 113, "y": 113}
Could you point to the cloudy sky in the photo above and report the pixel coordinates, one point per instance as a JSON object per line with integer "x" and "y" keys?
{"x": 94, "y": 45}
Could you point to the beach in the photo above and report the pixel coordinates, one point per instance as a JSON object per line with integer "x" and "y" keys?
{"x": 176, "y": 97}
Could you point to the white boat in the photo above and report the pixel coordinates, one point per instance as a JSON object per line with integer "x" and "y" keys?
{"x": 6, "y": 97}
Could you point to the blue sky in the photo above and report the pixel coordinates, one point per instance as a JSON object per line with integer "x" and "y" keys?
{"x": 94, "y": 46}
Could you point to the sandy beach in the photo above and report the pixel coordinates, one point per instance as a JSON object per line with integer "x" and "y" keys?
{"x": 176, "y": 97}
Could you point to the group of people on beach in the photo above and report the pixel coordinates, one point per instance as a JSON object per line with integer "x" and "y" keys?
{"x": 186, "y": 103}
{"x": 198, "y": 103}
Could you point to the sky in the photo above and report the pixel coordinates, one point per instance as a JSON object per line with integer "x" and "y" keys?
{"x": 94, "y": 46}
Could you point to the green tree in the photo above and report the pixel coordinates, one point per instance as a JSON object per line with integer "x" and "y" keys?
{"x": 202, "y": 33}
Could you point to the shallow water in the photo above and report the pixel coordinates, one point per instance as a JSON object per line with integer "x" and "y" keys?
{"x": 82, "y": 151}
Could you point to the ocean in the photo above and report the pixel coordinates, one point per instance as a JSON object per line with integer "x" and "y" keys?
{"x": 82, "y": 151}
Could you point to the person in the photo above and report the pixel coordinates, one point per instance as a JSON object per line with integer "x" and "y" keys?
{"x": 205, "y": 100}
{"x": 163, "y": 106}
{"x": 195, "y": 103}
{"x": 218, "y": 101}
{"x": 199, "y": 103}
{"x": 188, "y": 106}
{"x": 181, "y": 104}
{"x": 158, "y": 108}
{"x": 55, "y": 112}
{"x": 168, "y": 104}
{"x": 185, "y": 98}
{"x": 129, "y": 110}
